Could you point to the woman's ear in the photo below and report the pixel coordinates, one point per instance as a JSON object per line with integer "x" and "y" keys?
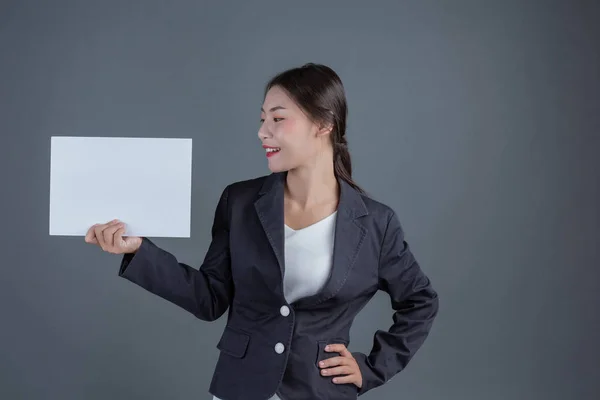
{"x": 325, "y": 129}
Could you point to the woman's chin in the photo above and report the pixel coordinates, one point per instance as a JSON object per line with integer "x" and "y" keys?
{"x": 276, "y": 167}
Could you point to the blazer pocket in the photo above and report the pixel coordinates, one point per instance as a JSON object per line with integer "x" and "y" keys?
{"x": 233, "y": 342}
{"x": 322, "y": 354}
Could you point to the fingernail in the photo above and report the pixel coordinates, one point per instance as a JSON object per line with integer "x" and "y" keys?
{"x": 322, "y": 363}
{"x": 327, "y": 348}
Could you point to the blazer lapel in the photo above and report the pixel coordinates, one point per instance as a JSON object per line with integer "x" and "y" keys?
{"x": 349, "y": 237}
{"x": 269, "y": 207}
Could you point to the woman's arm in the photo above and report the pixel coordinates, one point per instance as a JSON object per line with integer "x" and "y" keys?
{"x": 206, "y": 292}
{"x": 415, "y": 304}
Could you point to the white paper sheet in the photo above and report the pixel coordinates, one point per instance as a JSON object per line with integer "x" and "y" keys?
{"x": 144, "y": 182}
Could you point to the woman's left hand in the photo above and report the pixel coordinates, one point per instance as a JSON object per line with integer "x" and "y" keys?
{"x": 344, "y": 365}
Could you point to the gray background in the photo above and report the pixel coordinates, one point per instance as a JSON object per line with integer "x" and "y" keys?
{"x": 477, "y": 121}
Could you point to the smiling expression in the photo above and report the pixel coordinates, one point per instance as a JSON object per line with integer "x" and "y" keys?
{"x": 288, "y": 135}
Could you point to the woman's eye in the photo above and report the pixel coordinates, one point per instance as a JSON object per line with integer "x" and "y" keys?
{"x": 274, "y": 119}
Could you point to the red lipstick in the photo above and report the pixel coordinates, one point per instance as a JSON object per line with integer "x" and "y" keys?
{"x": 271, "y": 150}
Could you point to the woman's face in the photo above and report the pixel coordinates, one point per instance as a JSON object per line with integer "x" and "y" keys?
{"x": 289, "y": 137}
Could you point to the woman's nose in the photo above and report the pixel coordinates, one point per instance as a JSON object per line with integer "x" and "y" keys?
{"x": 263, "y": 132}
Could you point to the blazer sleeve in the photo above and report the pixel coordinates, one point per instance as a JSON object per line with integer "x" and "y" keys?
{"x": 205, "y": 292}
{"x": 415, "y": 305}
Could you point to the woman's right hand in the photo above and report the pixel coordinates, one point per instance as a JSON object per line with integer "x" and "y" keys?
{"x": 109, "y": 237}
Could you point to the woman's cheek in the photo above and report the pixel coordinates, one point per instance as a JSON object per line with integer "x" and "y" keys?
{"x": 285, "y": 129}
{"x": 289, "y": 123}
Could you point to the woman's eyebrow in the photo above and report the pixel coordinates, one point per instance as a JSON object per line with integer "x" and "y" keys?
{"x": 274, "y": 108}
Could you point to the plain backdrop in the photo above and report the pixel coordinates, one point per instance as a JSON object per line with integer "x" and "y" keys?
{"x": 477, "y": 121}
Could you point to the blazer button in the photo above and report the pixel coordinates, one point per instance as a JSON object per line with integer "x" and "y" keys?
{"x": 284, "y": 310}
{"x": 279, "y": 348}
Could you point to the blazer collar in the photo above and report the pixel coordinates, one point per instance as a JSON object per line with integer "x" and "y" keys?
{"x": 349, "y": 232}
{"x": 350, "y": 202}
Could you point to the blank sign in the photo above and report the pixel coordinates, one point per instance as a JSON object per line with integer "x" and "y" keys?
{"x": 144, "y": 182}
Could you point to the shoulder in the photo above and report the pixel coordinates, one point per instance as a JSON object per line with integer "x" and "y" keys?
{"x": 383, "y": 219}
{"x": 243, "y": 190}
{"x": 378, "y": 210}
{"x": 251, "y": 185}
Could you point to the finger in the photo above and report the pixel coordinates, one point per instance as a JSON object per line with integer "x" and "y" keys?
{"x": 118, "y": 237}
{"x": 121, "y": 242}
{"x": 342, "y": 370}
{"x": 345, "y": 379}
{"x": 334, "y": 361}
{"x": 339, "y": 348}
{"x": 109, "y": 235}
{"x": 90, "y": 236}
{"x": 99, "y": 229}
{"x": 99, "y": 237}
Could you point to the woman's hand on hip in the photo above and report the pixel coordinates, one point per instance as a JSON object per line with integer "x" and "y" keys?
{"x": 343, "y": 368}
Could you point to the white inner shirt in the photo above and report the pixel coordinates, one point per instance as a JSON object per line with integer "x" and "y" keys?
{"x": 308, "y": 260}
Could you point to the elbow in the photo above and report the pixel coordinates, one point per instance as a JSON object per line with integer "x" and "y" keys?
{"x": 210, "y": 313}
{"x": 434, "y": 303}
{"x": 212, "y": 296}
{"x": 429, "y": 306}
{"x": 427, "y": 300}
{"x": 422, "y": 306}
{"x": 211, "y": 308}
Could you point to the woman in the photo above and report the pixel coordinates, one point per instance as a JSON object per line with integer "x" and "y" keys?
{"x": 294, "y": 256}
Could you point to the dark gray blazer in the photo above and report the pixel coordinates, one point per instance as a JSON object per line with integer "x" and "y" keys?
{"x": 268, "y": 345}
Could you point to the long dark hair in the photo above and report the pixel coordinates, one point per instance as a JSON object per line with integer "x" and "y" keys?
{"x": 319, "y": 92}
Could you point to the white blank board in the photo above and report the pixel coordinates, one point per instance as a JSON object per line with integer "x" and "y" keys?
{"x": 144, "y": 182}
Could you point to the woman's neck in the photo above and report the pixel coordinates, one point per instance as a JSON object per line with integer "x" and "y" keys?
{"x": 309, "y": 187}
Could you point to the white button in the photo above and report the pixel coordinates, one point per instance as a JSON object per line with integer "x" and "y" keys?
{"x": 284, "y": 310}
{"x": 279, "y": 348}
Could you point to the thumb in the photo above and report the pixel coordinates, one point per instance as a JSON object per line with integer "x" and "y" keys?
{"x": 346, "y": 353}
{"x": 124, "y": 242}
{"x": 132, "y": 243}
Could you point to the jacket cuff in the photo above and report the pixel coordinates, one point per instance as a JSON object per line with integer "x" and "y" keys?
{"x": 132, "y": 262}
{"x": 370, "y": 379}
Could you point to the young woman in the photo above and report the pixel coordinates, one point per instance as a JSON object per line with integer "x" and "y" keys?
{"x": 294, "y": 256}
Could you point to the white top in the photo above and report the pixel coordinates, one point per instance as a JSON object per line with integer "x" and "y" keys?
{"x": 308, "y": 257}
{"x": 308, "y": 260}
